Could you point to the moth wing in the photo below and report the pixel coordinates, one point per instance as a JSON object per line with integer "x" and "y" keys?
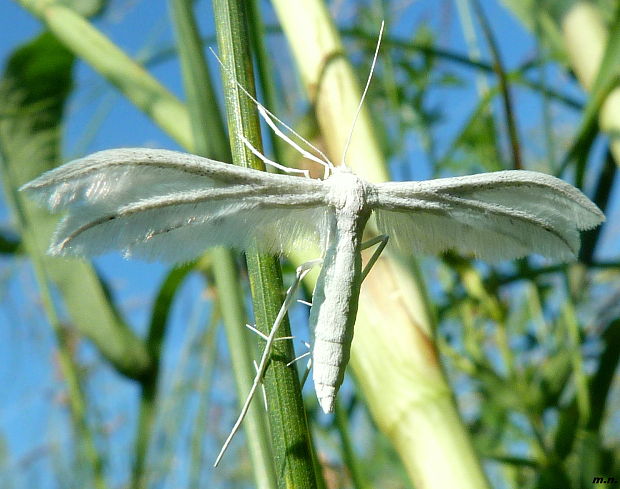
{"x": 494, "y": 216}
{"x": 159, "y": 204}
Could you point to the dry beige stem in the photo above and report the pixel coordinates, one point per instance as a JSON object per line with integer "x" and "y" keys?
{"x": 410, "y": 400}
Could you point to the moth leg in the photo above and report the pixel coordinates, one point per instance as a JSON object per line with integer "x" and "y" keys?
{"x": 262, "y": 387}
{"x": 296, "y": 359}
{"x": 302, "y": 382}
{"x": 326, "y": 163}
{"x": 269, "y": 162}
{"x": 269, "y": 118}
{"x": 382, "y": 240}
{"x": 308, "y": 365}
{"x": 303, "y": 355}
{"x": 301, "y": 272}
{"x": 264, "y": 336}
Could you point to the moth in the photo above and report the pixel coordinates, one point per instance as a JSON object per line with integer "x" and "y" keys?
{"x": 165, "y": 205}
{"x": 171, "y": 206}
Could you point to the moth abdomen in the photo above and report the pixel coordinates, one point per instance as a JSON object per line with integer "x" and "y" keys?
{"x": 330, "y": 357}
{"x": 334, "y": 306}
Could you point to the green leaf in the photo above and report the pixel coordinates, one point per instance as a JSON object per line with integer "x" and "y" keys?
{"x": 82, "y": 39}
{"x": 150, "y": 382}
{"x": 596, "y": 113}
{"x": 33, "y": 92}
{"x": 545, "y": 15}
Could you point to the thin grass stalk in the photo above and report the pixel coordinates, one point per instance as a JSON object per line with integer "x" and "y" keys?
{"x": 601, "y": 194}
{"x": 291, "y": 442}
{"x": 349, "y": 457}
{"x": 480, "y": 110}
{"x": 149, "y": 383}
{"x": 500, "y": 71}
{"x": 166, "y": 52}
{"x": 475, "y": 287}
{"x": 175, "y": 408}
{"x": 547, "y": 117}
{"x": 526, "y": 274}
{"x": 205, "y": 115}
{"x": 68, "y": 367}
{"x": 573, "y": 331}
{"x": 209, "y": 354}
{"x": 208, "y": 131}
{"x": 471, "y": 61}
{"x": 603, "y": 379}
{"x": 393, "y": 353}
{"x": 515, "y": 76}
{"x": 469, "y": 33}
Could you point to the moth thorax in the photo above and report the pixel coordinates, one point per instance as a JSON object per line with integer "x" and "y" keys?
{"x": 347, "y": 191}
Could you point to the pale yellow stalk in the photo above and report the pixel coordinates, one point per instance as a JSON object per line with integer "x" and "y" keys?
{"x": 585, "y": 39}
{"x": 394, "y": 356}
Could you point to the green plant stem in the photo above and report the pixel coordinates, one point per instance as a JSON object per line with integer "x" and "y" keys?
{"x": 516, "y": 76}
{"x": 210, "y": 140}
{"x": 264, "y": 69}
{"x": 476, "y": 288}
{"x": 69, "y": 369}
{"x": 547, "y": 118}
{"x": 292, "y": 446}
{"x": 580, "y": 377}
{"x": 600, "y": 196}
{"x": 207, "y": 124}
{"x": 469, "y": 33}
{"x": 523, "y": 274}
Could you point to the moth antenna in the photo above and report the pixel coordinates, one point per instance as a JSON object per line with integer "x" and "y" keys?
{"x": 302, "y": 382}
{"x": 359, "y": 107}
{"x": 382, "y": 240}
{"x": 265, "y": 337}
{"x": 269, "y": 117}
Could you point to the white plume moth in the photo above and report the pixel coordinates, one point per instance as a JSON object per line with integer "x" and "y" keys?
{"x": 159, "y": 204}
